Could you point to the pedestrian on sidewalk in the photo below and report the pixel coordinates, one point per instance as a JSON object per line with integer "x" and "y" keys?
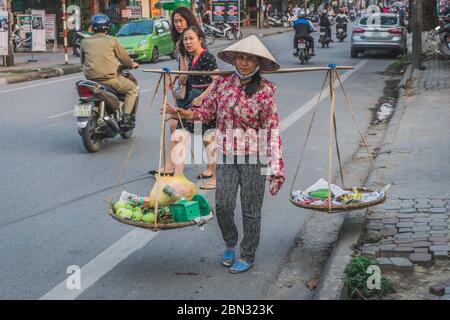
{"x": 243, "y": 103}
{"x": 182, "y": 18}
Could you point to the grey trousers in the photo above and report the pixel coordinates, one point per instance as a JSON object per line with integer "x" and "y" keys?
{"x": 229, "y": 178}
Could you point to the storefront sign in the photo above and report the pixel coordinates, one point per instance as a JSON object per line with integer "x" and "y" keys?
{"x": 136, "y": 12}
{"x": 226, "y": 11}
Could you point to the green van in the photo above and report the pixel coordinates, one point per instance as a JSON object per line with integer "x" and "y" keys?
{"x": 146, "y": 39}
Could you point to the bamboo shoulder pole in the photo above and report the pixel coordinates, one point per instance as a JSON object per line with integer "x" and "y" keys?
{"x": 228, "y": 72}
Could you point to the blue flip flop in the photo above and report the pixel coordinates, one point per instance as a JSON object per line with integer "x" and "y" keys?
{"x": 240, "y": 266}
{"x": 228, "y": 257}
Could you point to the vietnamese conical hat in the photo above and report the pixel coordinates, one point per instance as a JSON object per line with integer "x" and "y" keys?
{"x": 253, "y": 46}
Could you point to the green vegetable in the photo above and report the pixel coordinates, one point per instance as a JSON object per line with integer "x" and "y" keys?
{"x": 320, "y": 194}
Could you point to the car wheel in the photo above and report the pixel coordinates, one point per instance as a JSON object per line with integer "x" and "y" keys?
{"x": 354, "y": 53}
{"x": 155, "y": 55}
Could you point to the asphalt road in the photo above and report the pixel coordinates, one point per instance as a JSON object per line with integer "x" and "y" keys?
{"x": 53, "y": 193}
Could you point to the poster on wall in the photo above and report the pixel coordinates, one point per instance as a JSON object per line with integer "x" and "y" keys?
{"x": 38, "y": 30}
{"x": 227, "y": 11}
{"x": 24, "y": 22}
{"x": 50, "y": 26}
{"x": 3, "y": 33}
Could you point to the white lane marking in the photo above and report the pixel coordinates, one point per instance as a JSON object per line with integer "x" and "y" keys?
{"x": 102, "y": 264}
{"x": 59, "y": 114}
{"x": 40, "y": 84}
{"x": 138, "y": 238}
{"x": 67, "y": 112}
{"x": 300, "y": 112}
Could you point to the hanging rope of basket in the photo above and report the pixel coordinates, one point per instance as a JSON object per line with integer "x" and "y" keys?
{"x": 329, "y": 205}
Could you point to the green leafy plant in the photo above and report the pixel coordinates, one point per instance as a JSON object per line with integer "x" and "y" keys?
{"x": 356, "y": 279}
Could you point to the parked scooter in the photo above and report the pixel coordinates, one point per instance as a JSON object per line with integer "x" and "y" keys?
{"x": 275, "y": 20}
{"x": 219, "y": 30}
{"x": 236, "y": 31}
{"x": 444, "y": 36}
{"x": 76, "y": 41}
{"x": 99, "y": 112}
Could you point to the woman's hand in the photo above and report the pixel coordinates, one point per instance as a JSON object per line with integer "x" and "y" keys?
{"x": 275, "y": 184}
{"x": 197, "y": 101}
{"x": 182, "y": 79}
{"x": 173, "y": 111}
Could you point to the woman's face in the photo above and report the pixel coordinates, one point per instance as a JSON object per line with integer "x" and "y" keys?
{"x": 179, "y": 22}
{"x": 191, "y": 41}
{"x": 246, "y": 64}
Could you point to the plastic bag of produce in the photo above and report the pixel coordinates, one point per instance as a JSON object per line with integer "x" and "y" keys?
{"x": 180, "y": 185}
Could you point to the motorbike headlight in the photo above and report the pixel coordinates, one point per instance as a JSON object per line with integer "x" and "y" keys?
{"x": 143, "y": 43}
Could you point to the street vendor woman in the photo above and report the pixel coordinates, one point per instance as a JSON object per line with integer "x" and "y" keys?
{"x": 242, "y": 103}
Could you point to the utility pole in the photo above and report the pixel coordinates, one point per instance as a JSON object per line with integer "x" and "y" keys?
{"x": 66, "y": 55}
{"x": 10, "y": 57}
{"x": 416, "y": 34}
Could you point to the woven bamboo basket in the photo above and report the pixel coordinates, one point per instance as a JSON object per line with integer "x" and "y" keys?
{"x": 151, "y": 226}
{"x": 344, "y": 207}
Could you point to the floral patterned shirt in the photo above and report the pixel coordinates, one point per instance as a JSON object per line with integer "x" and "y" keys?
{"x": 250, "y": 123}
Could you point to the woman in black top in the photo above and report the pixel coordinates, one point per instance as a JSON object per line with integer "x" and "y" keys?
{"x": 197, "y": 89}
{"x": 182, "y": 18}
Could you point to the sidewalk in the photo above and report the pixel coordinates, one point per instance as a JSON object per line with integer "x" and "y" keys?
{"x": 51, "y": 64}
{"x": 411, "y": 230}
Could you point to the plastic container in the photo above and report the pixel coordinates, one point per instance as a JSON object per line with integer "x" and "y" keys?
{"x": 184, "y": 210}
{"x": 205, "y": 208}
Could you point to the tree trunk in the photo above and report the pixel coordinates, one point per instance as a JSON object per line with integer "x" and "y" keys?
{"x": 430, "y": 19}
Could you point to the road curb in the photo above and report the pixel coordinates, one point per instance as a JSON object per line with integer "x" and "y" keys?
{"x": 50, "y": 72}
{"x": 332, "y": 279}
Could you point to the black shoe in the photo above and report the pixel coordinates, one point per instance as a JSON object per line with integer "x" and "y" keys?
{"x": 295, "y": 53}
{"x": 155, "y": 172}
{"x": 127, "y": 122}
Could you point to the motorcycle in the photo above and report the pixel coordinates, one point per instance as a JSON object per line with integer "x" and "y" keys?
{"x": 277, "y": 21}
{"x": 99, "y": 112}
{"x": 352, "y": 16}
{"x": 219, "y": 30}
{"x": 76, "y": 41}
{"x": 314, "y": 17}
{"x": 324, "y": 39}
{"x": 303, "y": 50}
{"x": 340, "y": 32}
{"x": 444, "y": 36}
{"x": 236, "y": 31}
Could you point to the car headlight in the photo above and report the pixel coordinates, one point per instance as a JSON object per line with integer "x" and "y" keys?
{"x": 143, "y": 43}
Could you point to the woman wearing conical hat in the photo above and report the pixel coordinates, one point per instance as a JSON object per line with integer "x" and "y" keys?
{"x": 243, "y": 106}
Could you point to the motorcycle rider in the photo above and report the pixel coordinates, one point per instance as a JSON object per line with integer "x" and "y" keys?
{"x": 99, "y": 55}
{"x": 303, "y": 28}
{"x": 326, "y": 23}
{"x": 342, "y": 19}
